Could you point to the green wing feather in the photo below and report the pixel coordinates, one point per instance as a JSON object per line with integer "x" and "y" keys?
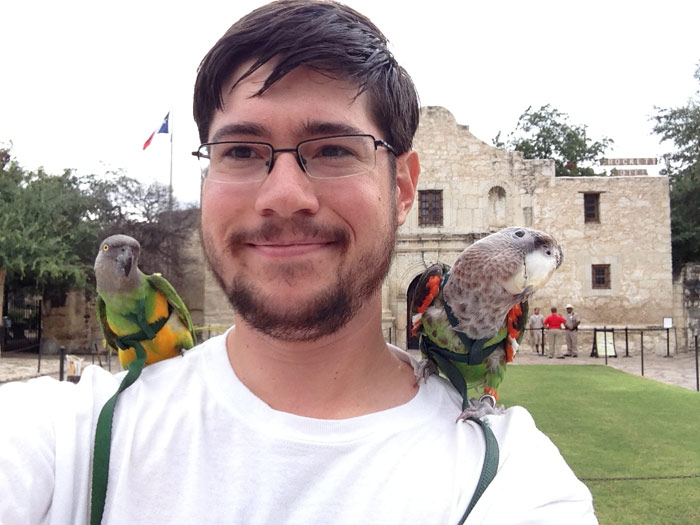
{"x": 159, "y": 283}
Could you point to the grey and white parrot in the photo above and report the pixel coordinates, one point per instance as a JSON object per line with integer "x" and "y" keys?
{"x": 470, "y": 318}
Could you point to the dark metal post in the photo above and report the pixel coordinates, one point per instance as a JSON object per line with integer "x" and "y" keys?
{"x": 542, "y": 343}
{"x": 62, "y": 363}
{"x": 39, "y": 323}
{"x": 38, "y": 363}
{"x": 627, "y": 345}
{"x": 642, "y": 350}
{"x": 668, "y": 344}
{"x": 697, "y": 377}
{"x": 605, "y": 344}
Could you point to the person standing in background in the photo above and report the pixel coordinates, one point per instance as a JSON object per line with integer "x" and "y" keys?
{"x": 572, "y": 322}
{"x": 536, "y": 322}
{"x": 553, "y": 323}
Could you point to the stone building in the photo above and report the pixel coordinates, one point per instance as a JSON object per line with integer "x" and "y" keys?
{"x": 614, "y": 231}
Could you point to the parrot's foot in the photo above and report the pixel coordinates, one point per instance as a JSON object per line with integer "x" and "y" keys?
{"x": 478, "y": 408}
{"x": 424, "y": 370}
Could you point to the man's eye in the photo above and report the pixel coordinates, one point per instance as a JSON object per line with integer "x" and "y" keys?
{"x": 334, "y": 151}
{"x": 241, "y": 152}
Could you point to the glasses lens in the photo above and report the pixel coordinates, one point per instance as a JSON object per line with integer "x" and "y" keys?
{"x": 334, "y": 157}
{"x": 235, "y": 161}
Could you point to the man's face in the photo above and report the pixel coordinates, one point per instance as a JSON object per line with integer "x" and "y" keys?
{"x": 297, "y": 256}
{"x": 537, "y": 311}
{"x": 569, "y": 310}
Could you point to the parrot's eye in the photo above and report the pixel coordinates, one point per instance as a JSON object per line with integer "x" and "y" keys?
{"x": 519, "y": 233}
{"x": 105, "y": 247}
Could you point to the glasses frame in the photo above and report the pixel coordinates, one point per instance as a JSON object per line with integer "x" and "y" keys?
{"x": 295, "y": 150}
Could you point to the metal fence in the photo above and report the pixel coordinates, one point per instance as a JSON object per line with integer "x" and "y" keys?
{"x": 625, "y": 342}
{"x": 21, "y": 325}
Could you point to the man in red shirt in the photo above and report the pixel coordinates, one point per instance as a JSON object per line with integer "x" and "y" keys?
{"x": 554, "y": 324}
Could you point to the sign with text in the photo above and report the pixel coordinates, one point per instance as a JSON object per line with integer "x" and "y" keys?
{"x": 605, "y": 343}
{"x": 638, "y": 171}
{"x": 630, "y": 162}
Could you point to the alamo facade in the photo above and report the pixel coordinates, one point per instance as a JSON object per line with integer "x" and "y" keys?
{"x": 614, "y": 231}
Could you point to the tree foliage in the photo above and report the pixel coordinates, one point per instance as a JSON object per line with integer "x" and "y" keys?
{"x": 681, "y": 126}
{"x": 547, "y": 134}
{"x": 51, "y": 225}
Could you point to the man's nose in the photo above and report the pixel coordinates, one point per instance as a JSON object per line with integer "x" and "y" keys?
{"x": 287, "y": 189}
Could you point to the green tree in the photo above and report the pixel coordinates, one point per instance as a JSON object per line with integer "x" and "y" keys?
{"x": 45, "y": 227}
{"x": 547, "y": 134}
{"x": 681, "y": 126}
{"x": 51, "y": 226}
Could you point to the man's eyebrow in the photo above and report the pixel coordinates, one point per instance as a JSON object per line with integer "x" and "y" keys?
{"x": 319, "y": 127}
{"x": 241, "y": 128}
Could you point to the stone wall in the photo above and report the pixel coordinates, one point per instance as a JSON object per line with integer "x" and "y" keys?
{"x": 686, "y": 303}
{"x": 73, "y": 325}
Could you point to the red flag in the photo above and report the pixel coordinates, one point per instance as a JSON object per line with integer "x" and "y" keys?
{"x": 163, "y": 129}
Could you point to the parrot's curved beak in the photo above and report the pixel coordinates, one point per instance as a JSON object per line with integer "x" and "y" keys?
{"x": 125, "y": 260}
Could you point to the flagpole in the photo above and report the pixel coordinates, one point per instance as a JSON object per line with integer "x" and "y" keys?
{"x": 170, "y": 187}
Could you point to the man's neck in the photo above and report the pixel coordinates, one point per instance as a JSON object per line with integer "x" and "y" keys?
{"x": 348, "y": 374}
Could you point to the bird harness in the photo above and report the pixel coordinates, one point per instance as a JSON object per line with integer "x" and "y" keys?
{"x": 103, "y": 431}
{"x": 476, "y": 350}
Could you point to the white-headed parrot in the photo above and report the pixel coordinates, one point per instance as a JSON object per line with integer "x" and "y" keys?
{"x": 470, "y": 318}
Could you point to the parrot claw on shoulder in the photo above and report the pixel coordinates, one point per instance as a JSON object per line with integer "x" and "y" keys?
{"x": 424, "y": 370}
{"x": 478, "y": 408}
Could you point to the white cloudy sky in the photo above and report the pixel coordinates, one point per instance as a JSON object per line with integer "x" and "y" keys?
{"x": 85, "y": 82}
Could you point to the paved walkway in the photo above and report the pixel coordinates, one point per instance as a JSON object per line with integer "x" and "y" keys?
{"x": 20, "y": 366}
{"x": 678, "y": 370}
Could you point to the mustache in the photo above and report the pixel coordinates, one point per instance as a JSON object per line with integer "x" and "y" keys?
{"x": 275, "y": 230}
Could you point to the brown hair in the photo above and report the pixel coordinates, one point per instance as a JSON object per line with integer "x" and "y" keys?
{"x": 318, "y": 34}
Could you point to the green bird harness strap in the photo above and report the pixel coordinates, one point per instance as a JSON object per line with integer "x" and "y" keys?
{"x": 489, "y": 469}
{"x": 103, "y": 431}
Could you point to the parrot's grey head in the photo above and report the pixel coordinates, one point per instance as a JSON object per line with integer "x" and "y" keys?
{"x": 536, "y": 255}
{"x": 116, "y": 265}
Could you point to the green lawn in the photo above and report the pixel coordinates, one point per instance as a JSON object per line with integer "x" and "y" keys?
{"x": 608, "y": 424}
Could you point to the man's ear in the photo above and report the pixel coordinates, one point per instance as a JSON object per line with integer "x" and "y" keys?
{"x": 407, "y": 170}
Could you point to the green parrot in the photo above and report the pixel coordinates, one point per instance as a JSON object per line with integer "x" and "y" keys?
{"x": 132, "y": 306}
{"x": 470, "y": 318}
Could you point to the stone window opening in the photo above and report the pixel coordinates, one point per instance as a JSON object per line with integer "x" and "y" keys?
{"x": 430, "y": 207}
{"x": 497, "y": 207}
{"x": 600, "y": 276}
{"x": 591, "y": 207}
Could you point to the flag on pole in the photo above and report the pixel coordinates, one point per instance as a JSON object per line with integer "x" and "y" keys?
{"x": 163, "y": 129}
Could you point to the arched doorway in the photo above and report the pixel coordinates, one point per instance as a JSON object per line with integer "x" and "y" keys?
{"x": 411, "y": 340}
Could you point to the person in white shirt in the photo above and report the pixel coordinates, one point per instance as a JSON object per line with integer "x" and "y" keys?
{"x": 536, "y": 322}
{"x": 301, "y": 413}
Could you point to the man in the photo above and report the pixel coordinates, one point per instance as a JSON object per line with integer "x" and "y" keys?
{"x": 554, "y": 323}
{"x": 536, "y": 322}
{"x": 572, "y": 322}
{"x": 300, "y": 413}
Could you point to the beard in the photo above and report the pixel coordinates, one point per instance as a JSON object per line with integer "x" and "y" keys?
{"x": 328, "y": 310}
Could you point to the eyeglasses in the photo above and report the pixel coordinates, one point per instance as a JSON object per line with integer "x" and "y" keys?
{"x": 323, "y": 158}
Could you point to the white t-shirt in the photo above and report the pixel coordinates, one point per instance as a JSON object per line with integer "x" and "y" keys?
{"x": 192, "y": 445}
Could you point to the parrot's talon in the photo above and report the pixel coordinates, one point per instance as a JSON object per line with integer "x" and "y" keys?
{"x": 424, "y": 370}
{"x": 478, "y": 408}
